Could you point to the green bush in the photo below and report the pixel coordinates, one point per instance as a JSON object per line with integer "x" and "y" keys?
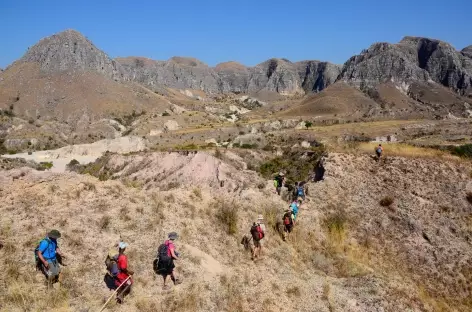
{"x": 297, "y": 165}
{"x": 463, "y": 151}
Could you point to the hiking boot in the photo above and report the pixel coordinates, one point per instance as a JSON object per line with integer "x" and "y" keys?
{"x": 177, "y": 281}
{"x": 119, "y": 300}
{"x": 166, "y": 287}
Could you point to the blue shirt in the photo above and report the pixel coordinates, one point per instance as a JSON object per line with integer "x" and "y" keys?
{"x": 47, "y": 247}
{"x": 294, "y": 207}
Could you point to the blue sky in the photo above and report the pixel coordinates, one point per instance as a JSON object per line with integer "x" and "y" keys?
{"x": 245, "y": 31}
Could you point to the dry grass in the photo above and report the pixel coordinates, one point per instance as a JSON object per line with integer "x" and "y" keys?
{"x": 395, "y": 149}
{"x": 227, "y": 214}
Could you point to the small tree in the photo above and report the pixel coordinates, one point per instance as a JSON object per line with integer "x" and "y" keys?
{"x": 308, "y": 124}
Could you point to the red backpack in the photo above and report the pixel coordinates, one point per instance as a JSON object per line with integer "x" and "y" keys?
{"x": 257, "y": 232}
{"x": 288, "y": 218}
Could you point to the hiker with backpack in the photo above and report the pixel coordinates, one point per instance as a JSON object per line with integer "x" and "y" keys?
{"x": 48, "y": 257}
{"x": 123, "y": 279}
{"x": 164, "y": 262}
{"x": 294, "y": 208}
{"x": 287, "y": 220}
{"x": 299, "y": 191}
{"x": 257, "y": 233}
{"x": 279, "y": 182}
{"x": 379, "y": 151}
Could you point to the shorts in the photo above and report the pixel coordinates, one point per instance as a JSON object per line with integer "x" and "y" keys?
{"x": 288, "y": 228}
{"x": 53, "y": 270}
{"x": 165, "y": 268}
{"x": 257, "y": 244}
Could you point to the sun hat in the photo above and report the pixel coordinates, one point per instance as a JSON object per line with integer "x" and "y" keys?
{"x": 260, "y": 217}
{"x": 173, "y": 236}
{"x": 281, "y": 173}
{"x": 122, "y": 245}
{"x": 54, "y": 234}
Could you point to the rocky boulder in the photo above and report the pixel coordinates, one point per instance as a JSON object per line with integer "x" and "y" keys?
{"x": 171, "y": 125}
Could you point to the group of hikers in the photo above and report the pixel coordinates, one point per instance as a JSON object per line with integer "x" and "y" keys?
{"x": 118, "y": 276}
{"x": 288, "y": 221}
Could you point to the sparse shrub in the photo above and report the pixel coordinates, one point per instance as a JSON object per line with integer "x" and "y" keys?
{"x": 463, "y": 151}
{"x": 218, "y": 154}
{"x": 165, "y": 114}
{"x": 170, "y": 198}
{"x": 294, "y": 291}
{"x": 104, "y": 222}
{"x": 227, "y": 215}
{"x": 197, "y": 192}
{"x": 336, "y": 225}
{"x": 469, "y": 197}
{"x": 248, "y": 146}
{"x": 386, "y": 201}
{"x": 308, "y": 124}
{"x": 89, "y": 186}
{"x": 45, "y": 165}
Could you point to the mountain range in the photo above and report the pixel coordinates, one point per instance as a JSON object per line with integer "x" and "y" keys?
{"x": 66, "y": 75}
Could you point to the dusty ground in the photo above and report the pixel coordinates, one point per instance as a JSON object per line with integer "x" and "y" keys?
{"x": 348, "y": 253}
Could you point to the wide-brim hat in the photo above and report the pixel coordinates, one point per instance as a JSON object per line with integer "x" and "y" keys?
{"x": 54, "y": 234}
{"x": 173, "y": 236}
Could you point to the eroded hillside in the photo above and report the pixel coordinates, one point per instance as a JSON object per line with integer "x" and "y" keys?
{"x": 348, "y": 252}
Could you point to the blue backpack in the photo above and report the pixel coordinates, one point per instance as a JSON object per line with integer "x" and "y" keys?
{"x": 300, "y": 191}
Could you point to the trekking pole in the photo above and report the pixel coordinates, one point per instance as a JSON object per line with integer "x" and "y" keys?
{"x": 103, "y": 307}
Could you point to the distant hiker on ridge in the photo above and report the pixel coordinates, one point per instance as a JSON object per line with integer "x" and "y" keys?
{"x": 378, "y": 151}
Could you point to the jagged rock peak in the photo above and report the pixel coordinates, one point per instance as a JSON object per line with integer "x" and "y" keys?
{"x": 70, "y": 50}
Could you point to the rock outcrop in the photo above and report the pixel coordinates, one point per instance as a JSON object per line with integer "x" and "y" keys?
{"x": 70, "y": 50}
{"x": 275, "y": 75}
{"x": 412, "y": 59}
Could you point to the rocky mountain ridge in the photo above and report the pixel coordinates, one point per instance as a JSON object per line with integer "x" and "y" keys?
{"x": 412, "y": 59}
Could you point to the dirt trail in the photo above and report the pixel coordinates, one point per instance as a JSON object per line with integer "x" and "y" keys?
{"x": 212, "y": 266}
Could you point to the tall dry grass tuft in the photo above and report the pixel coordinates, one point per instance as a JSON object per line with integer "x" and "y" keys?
{"x": 227, "y": 214}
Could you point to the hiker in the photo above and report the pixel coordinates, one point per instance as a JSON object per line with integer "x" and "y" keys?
{"x": 166, "y": 254}
{"x": 260, "y": 221}
{"x": 299, "y": 192}
{"x": 287, "y": 220}
{"x": 279, "y": 182}
{"x": 257, "y": 234}
{"x": 378, "y": 151}
{"x": 49, "y": 257}
{"x": 123, "y": 277}
{"x": 294, "y": 208}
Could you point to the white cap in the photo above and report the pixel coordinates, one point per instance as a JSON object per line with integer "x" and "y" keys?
{"x": 122, "y": 245}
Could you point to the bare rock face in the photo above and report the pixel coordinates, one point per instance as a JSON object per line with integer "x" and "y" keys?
{"x": 412, "y": 59}
{"x": 178, "y": 72}
{"x": 316, "y": 76}
{"x": 467, "y": 51}
{"x": 70, "y": 50}
{"x": 276, "y": 75}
